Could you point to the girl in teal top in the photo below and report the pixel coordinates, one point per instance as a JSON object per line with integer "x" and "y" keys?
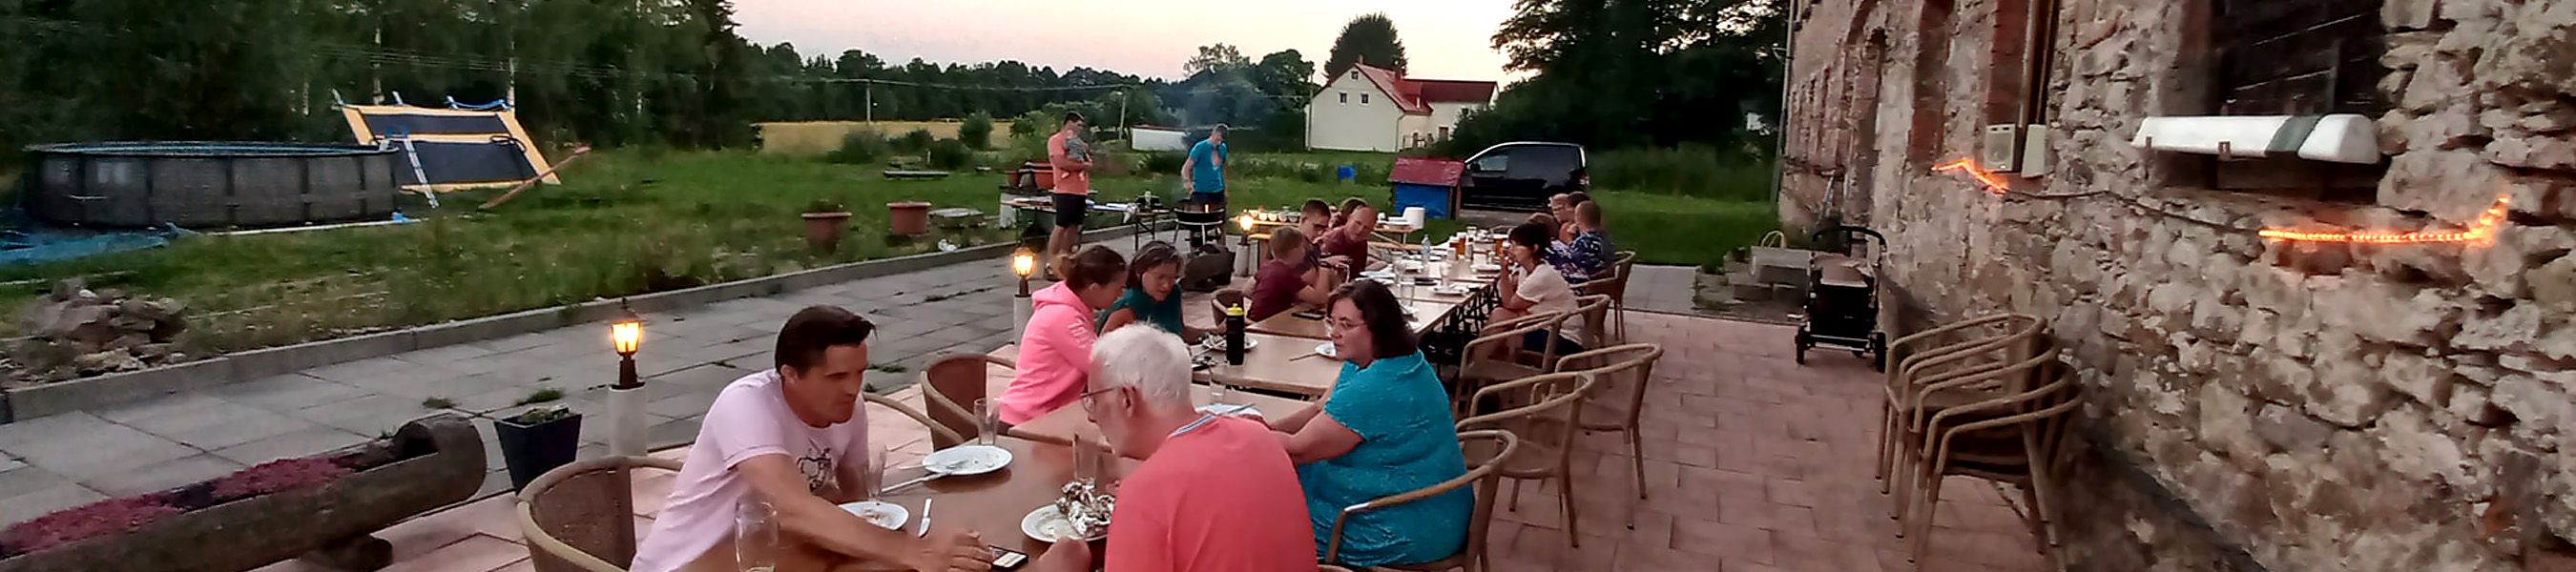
{"x": 1384, "y": 430}
{"x": 1153, "y": 293}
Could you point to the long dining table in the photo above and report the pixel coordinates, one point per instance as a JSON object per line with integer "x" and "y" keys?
{"x": 991, "y": 505}
{"x": 1064, "y": 425}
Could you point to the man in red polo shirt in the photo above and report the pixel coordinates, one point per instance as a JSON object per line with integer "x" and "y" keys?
{"x": 1214, "y": 493}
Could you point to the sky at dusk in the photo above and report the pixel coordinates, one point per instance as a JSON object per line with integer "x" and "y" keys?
{"x": 1442, "y": 38}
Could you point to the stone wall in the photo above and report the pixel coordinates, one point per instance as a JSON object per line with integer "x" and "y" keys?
{"x": 2250, "y": 404}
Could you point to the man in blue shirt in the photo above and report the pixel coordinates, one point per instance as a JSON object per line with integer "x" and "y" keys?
{"x": 1206, "y": 172}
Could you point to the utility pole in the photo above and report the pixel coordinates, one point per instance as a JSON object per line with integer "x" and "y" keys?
{"x": 871, "y": 101}
{"x": 1122, "y": 120}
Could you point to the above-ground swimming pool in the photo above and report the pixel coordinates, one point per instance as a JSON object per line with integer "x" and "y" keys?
{"x": 209, "y": 184}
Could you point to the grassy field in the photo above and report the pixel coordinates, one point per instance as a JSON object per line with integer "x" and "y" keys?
{"x": 810, "y": 138}
{"x": 629, "y": 222}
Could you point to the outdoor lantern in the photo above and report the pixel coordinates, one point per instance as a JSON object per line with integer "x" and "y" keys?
{"x": 1023, "y": 263}
{"x": 626, "y": 398}
{"x": 1245, "y": 221}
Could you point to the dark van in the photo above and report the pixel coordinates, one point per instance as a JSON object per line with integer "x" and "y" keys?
{"x": 1522, "y": 175}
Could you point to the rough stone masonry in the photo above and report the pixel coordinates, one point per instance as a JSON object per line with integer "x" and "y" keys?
{"x": 2250, "y": 404}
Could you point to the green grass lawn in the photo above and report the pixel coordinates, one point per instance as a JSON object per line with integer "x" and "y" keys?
{"x": 630, "y": 222}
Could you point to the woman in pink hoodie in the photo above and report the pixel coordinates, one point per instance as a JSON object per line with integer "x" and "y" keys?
{"x": 1055, "y": 348}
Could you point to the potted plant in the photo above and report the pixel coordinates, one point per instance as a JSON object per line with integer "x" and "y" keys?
{"x": 825, "y": 220}
{"x": 536, "y": 441}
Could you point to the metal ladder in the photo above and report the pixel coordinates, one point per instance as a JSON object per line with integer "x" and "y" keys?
{"x": 417, "y": 173}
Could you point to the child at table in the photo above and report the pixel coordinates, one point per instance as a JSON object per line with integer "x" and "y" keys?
{"x": 1285, "y": 281}
{"x": 1055, "y": 349}
{"x": 1153, "y": 294}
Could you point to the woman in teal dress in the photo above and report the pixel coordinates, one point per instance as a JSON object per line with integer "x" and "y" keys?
{"x": 1153, "y": 294}
{"x": 1385, "y": 429}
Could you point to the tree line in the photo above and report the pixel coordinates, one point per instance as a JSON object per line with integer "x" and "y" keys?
{"x": 1637, "y": 73}
{"x": 610, "y": 72}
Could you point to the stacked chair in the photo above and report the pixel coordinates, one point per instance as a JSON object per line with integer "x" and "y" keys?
{"x": 1986, "y": 398}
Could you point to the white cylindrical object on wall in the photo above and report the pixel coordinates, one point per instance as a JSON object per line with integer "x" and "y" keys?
{"x": 626, "y": 422}
{"x": 1021, "y": 308}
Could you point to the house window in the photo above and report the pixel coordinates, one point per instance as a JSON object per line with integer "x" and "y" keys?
{"x": 1346, "y": 97}
{"x": 1444, "y": 132}
{"x": 1363, "y": 99}
{"x": 2296, "y": 57}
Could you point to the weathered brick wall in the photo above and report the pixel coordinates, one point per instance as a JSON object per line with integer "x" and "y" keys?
{"x": 2251, "y": 404}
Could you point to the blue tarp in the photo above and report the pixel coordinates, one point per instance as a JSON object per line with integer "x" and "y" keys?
{"x": 27, "y": 242}
{"x": 1434, "y": 199}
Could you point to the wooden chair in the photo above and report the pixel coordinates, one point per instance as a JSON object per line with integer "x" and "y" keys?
{"x": 1616, "y": 287}
{"x": 1482, "y": 473}
{"x": 1482, "y": 367}
{"x": 1621, "y": 374}
{"x": 1547, "y": 428}
{"x": 2015, "y": 440}
{"x": 1595, "y": 310}
{"x": 1943, "y": 350}
{"x": 949, "y": 389}
{"x": 938, "y": 433}
{"x": 1977, "y": 388}
{"x": 580, "y": 517}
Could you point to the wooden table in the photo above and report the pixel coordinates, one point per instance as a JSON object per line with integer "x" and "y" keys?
{"x": 1060, "y": 426}
{"x": 1284, "y": 364}
{"x": 990, "y": 504}
{"x": 1426, "y": 315}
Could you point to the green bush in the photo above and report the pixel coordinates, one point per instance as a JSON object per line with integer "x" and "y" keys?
{"x": 950, "y": 154}
{"x": 977, "y": 132}
{"x": 860, "y": 146}
{"x": 1165, "y": 162}
{"x": 1695, "y": 170}
{"x": 915, "y": 142}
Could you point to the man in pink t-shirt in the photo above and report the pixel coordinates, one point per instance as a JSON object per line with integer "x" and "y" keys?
{"x": 1070, "y": 157}
{"x": 792, "y": 437}
{"x": 1215, "y": 493}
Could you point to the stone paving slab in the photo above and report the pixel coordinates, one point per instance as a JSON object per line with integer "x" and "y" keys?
{"x": 55, "y": 462}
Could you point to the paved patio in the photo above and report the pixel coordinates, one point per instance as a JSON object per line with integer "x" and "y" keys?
{"x": 1753, "y": 463}
{"x": 57, "y": 462}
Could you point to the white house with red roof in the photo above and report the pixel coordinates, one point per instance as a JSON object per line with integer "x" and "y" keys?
{"x": 1376, "y": 109}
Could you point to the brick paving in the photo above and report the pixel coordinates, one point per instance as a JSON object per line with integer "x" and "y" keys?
{"x": 1752, "y": 463}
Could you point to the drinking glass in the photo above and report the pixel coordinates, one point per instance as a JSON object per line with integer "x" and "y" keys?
{"x": 872, "y": 474}
{"x": 755, "y": 536}
{"x": 987, "y": 421}
{"x": 1216, "y": 394}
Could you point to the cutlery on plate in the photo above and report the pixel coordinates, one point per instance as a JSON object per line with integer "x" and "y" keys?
{"x": 925, "y": 519}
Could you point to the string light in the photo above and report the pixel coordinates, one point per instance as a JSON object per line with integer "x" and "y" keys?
{"x": 1993, "y": 183}
{"x": 2480, "y": 232}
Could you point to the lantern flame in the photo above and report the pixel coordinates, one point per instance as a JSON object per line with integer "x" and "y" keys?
{"x": 627, "y": 336}
{"x": 1245, "y": 221}
{"x": 1024, "y": 263}
{"x": 1992, "y": 182}
{"x": 2481, "y": 232}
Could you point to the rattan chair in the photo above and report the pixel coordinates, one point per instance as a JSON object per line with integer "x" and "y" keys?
{"x": 1547, "y": 428}
{"x": 2015, "y": 439}
{"x": 1616, "y": 287}
{"x": 1620, "y": 376}
{"x": 950, "y": 387}
{"x": 1595, "y": 311}
{"x": 1482, "y": 363}
{"x": 580, "y": 517}
{"x": 1975, "y": 388}
{"x": 1983, "y": 342}
{"x": 1483, "y": 473}
{"x": 937, "y": 432}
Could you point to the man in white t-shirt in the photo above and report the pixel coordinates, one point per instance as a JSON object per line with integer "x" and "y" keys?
{"x": 797, "y": 438}
{"x": 1537, "y": 288}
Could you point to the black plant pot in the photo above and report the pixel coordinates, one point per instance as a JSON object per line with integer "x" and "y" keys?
{"x": 531, "y": 450}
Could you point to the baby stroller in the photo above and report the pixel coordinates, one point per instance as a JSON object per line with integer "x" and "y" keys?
{"x": 1842, "y": 296}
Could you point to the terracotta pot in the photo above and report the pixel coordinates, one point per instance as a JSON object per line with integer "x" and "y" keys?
{"x": 909, "y": 218}
{"x": 823, "y": 230}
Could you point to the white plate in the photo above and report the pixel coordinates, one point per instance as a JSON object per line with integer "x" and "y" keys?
{"x": 1046, "y": 524}
{"x": 1326, "y": 350}
{"x": 1217, "y": 343}
{"x": 880, "y": 513}
{"x": 1380, "y": 275}
{"x": 1483, "y": 268}
{"x": 1409, "y": 265}
{"x": 1449, "y": 290}
{"x": 967, "y": 460}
